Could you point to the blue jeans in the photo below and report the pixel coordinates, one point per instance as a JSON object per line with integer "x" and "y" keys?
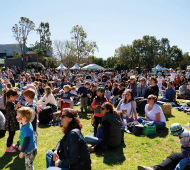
{"x": 159, "y": 125}
{"x": 184, "y": 162}
{"x": 92, "y": 140}
{"x": 50, "y": 163}
{"x": 164, "y": 99}
{"x": 99, "y": 133}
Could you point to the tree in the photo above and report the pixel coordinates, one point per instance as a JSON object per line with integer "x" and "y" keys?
{"x": 63, "y": 49}
{"x": 16, "y": 54}
{"x": 82, "y": 47}
{"x": 45, "y": 42}
{"x": 21, "y": 32}
{"x": 164, "y": 51}
{"x": 51, "y": 63}
{"x": 176, "y": 56}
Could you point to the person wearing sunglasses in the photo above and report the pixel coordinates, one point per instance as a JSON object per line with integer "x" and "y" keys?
{"x": 142, "y": 88}
{"x": 109, "y": 133}
{"x": 127, "y": 102}
{"x": 71, "y": 151}
{"x": 152, "y": 89}
{"x": 133, "y": 85}
{"x": 153, "y": 112}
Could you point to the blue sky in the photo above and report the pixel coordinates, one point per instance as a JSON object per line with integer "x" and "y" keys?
{"x": 108, "y": 22}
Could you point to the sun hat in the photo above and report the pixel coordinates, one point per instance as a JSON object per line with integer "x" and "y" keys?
{"x": 176, "y": 129}
{"x": 30, "y": 86}
{"x": 132, "y": 77}
{"x": 101, "y": 89}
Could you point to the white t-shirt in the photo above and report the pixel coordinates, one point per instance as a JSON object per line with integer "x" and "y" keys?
{"x": 187, "y": 75}
{"x": 152, "y": 114}
{"x": 172, "y": 77}
{"x": 126, "y": 106}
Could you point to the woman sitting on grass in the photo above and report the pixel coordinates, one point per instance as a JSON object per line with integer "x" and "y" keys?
{"x": 109, "y": 133}
{"x": 127, "y": 102}
{"x": 47, "y": 99}
{"x": 71, "y": 151}
{"x": 153, "y": 112}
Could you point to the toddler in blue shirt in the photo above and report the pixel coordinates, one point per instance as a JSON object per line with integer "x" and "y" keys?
{"x": 27, "y": 142}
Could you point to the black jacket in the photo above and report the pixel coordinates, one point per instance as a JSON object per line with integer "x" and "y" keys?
{"x": 152, "y": 90}
{"x": 73, "y": 151}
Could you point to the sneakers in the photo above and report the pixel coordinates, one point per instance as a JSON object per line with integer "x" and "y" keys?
{"x": 9, "y": 149}
{"x": 144, "y": 168}
{"x": 187, "y": 125}
{"x": 14, "y": 146}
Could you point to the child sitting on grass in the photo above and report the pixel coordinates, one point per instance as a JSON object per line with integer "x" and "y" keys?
{"x": 184, "y": 138}
{"x": 27, "y": 142}
{"x": 65, "y": 97}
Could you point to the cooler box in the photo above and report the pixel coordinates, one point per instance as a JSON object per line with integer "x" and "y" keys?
{"x": 149, "y": 130}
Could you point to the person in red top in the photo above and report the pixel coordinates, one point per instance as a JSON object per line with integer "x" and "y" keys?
{"x": 176, "y": 82}
{"x": 96, "y": 104}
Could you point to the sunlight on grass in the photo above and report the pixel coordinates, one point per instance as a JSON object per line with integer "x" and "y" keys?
{"x": 136, "y": 151}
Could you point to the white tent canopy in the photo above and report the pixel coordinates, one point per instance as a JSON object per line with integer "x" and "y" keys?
{"x": 61, "y": 67}
{"x": 75, "y": 67}
{"x": 92, "y": 66}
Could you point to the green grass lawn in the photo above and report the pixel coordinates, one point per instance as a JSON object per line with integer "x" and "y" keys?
{"x": 136, "y": 150}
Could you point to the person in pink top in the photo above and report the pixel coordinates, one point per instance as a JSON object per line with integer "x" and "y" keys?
{"x": 159, "y": 79}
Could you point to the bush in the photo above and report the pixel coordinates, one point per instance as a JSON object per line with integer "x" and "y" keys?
{"x": 34, "y": 65}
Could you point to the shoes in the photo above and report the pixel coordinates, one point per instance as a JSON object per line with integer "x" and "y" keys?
{"x": 187, "y": 125}
{"x": 14, "y": 146}
{"x": 144, "y": 168}
{"x": 9, "y": 149}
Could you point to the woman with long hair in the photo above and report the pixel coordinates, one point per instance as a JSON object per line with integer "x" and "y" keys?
{"x": 109, "y": 133}
{"x": 47, "y": 99}
{"x": 127, "y": 106}
{"x": 71, "y": 151}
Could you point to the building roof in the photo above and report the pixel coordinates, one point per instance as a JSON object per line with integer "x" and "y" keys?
{"x": 9, "y": 48}
{"x": 30, "y": 53}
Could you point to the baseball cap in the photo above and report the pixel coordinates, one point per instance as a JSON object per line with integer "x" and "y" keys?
{"x": 101, "y": 89}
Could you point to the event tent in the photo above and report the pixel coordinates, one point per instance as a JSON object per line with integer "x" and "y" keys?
{"x": 164, "y": 68}
{"x": 158, "y": 67}
{"x": 61, "y": 67}
{"x": 92, "y": 66}
{"x": 75, "y": 67}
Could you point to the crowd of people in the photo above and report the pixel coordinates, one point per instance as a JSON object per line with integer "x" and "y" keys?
{"x": 26, "y": 94}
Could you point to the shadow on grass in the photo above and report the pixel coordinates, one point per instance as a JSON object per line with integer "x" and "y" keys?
{"x": 43, "y": 126}
{"x": 85, "y": 116}
{"x": 8, "y": 157}
{"x": 169, "y": 116}
{"x": 161, "y": 135}
{"x": 113, "y": 156}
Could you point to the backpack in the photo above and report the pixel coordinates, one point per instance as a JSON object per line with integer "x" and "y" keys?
{"x": 45, "y": 115}
{"x": 130, "y": 125}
